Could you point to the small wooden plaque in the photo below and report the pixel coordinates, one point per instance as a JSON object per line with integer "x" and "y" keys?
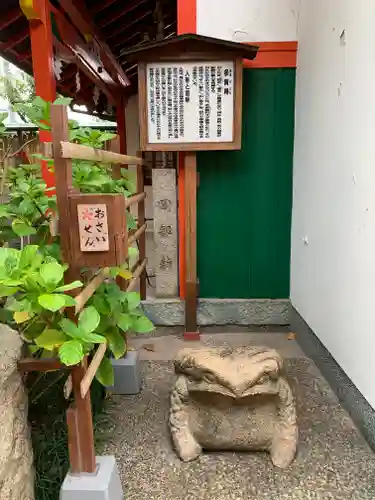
{"x": 93, "y": 227}
{"x": 98, "y": 234}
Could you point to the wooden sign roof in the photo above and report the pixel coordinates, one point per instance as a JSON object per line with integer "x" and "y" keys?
{"x": 190, "y": 43}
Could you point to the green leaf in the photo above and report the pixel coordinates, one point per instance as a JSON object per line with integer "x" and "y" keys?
{"x": 26, "y": 207}
{"x": 133, "y": 252}
{"x": 52, "y": 273}
{"x": 104, "y": 325}
{"x": 113, "y": 271}
{"x": 13, "y": 304}
{"x": 92, "y": 338}
{"x": 69, "y": 327}
{"x": 133, "y": 299}
{"x": 6, "y": 252}
{"x": 22, "y": 229}
{"x": 69, "y": 301}
{"x": 39, "y": 102}
{"x": 53, "y": 250}
{"x": 4, "y": 211}
{"x": 50, "y": 339}
{"x": 71, "y": 352}
{"x": 69, "y": 286}
{"x": 101, "y": 304}
{"x": 89, "y": 319}
{"x": 33, "y": 349}
{"x": 63, "y": 101}
{"x": 10, "y": 282}
{"x": 11, "y": 264}
{"x": 51, "y": 301}
{"x": 106, "y": 136}
{"x": 28, "y": 255}
{"x": 105, "y": 373}
{"x": 116, "y": 342}
{"x": 78, "y": 333}
{"x": 142, "y": 325}
{"x": 7, "y": 291}
{"x": 131, "y": 222}
{"x": 125, "y": 322}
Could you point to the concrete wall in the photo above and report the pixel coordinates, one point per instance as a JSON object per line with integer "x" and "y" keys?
{"x": 249, "y": 20}
{"x": 333, "y": 234}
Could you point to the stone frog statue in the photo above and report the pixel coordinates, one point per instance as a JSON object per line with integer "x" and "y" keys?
{"x": 232, "y": 399}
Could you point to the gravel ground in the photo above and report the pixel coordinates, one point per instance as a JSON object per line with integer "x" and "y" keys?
{"x": 333, "y": 461}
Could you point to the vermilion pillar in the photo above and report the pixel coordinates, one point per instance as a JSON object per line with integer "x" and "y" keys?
{"x": 186, "y": 23}
{"x": 39, "y": 15}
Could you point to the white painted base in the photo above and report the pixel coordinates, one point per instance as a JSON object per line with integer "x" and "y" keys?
{"x": 105, "y": 484}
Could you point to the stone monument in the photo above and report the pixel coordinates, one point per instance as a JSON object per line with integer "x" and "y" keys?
{"x": 232, "y": 399}
{"x": 16, "y": 456}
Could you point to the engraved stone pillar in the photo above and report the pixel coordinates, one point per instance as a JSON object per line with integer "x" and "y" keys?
{"x": 165, "y": 231}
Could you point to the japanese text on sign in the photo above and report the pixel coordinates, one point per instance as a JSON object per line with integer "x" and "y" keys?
{"x": 190, "y": 102}
{"x": 93, "y": 228}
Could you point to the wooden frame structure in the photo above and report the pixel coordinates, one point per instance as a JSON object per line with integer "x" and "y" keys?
{"x": 191, "y": 48}
{"x": 79, "y": 415}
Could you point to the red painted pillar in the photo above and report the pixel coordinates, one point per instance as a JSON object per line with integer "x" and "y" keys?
{"x": 39, "y": 16}
{"x": 186, "y": 23}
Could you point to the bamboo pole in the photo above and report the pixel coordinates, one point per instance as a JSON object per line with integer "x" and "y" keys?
{"x": 92, "y": 369}
{"x": 136, "y": 275}
{"x": 136, "y": 198}
{"x": 137, "y": 234}
{"x": 80, "y": 152}
{"x": 90, "y": 289}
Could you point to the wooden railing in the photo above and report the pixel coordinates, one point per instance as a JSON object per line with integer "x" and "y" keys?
{"x": 79, "y": 416}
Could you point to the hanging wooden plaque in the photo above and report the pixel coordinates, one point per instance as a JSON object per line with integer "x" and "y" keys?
{"x": 98, "y": 232}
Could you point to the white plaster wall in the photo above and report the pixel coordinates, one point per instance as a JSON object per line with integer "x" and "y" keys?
{"x": 249, "y": 20}
{"x": 333, "y": 233}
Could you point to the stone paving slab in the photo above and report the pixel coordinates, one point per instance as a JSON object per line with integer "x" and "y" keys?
{"x": 165, "y": 348}
{"x": 333, "y": 461}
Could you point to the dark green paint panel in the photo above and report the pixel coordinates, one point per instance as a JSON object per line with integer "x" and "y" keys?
{"x": 245, "y": 197}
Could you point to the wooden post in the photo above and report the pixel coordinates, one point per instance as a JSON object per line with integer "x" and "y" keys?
{"x": 75, "y": 456}
{"x": 141, "y": 221}
{"x": 181, "y": 225}
{"x": 191, "y": 328}
{"x": 84, "y": 421}
{"x": 63, "y": 176}
{"x": 80, "y": 426}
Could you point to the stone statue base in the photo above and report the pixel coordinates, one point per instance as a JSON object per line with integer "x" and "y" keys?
{"x": 232, "y": 399}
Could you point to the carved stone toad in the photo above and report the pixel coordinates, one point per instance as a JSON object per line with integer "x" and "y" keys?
{"x": 232, "y": 399}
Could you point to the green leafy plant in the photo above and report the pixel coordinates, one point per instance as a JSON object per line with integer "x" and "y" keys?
{"x": 28, "y": 206}
{"x": 18, "y": 90}
{"x": 36, "y": 300}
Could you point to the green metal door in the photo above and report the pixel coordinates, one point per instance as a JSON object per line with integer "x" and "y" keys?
{"x": 245, "y": 197}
